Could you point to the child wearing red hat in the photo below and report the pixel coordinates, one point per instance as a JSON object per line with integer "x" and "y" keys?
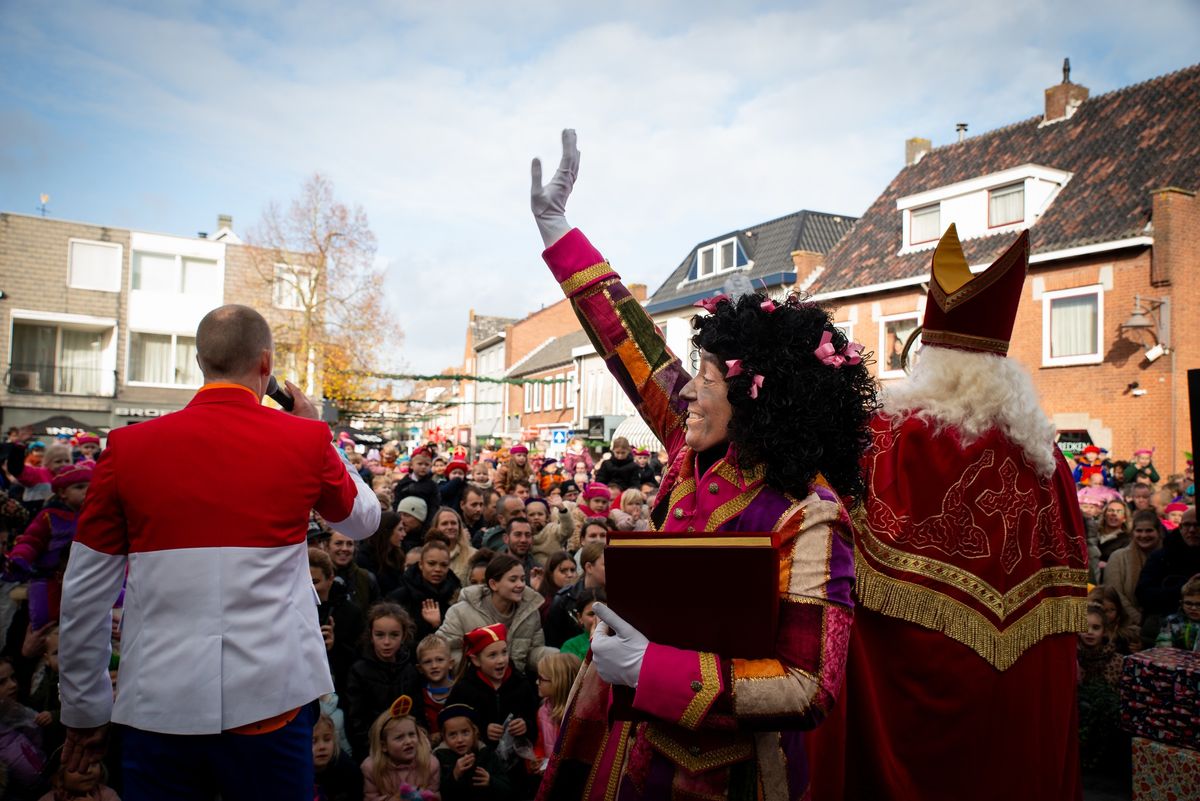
{"x": 597, "y": 498}
{"x": 40, "y": 554}
{"x": 87, "y": 448}
{"x": 487, "y": 682}
{"x": 1088, "y": 465}
{"x": 1172, "y": 514}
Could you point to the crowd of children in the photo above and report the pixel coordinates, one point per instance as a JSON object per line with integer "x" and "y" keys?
{"x": 1145, "y": 564}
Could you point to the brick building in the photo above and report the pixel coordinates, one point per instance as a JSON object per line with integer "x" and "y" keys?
{"x": 98, "y": 323}
{"x": 1107, "y": 187}
{"x": 548, "y": 417}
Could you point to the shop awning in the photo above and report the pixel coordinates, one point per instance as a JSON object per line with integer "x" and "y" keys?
{"x": 634, "y": 429}
{"x": 64, "y": 424}
{"x": 360, "y": 437}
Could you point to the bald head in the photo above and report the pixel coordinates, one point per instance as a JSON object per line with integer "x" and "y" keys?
{"x": 230, "y": 341}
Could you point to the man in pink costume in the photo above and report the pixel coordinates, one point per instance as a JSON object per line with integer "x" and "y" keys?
{"x": 718, "y": 726}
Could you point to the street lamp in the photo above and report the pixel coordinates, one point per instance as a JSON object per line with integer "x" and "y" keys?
{"x": 1151, "y": 316}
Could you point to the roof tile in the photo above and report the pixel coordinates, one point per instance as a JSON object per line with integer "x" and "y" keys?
{"x": 1119, "y": 146}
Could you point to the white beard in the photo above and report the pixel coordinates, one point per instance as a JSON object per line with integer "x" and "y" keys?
{"x": 975, "y": 393}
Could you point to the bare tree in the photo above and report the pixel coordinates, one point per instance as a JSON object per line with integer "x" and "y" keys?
{"x": 318, "y": 256}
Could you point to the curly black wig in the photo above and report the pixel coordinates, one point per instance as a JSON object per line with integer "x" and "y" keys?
{"x": 809, "y": 418}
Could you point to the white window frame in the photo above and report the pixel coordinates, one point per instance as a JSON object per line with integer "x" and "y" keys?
{"x": 528, "y": 398}
{"x": 847, "y": 328}
{"x": 558, "y": 391}
{"x": 1007, "y": 189}
{"x": 548, "y": 395}
{"x": 884, "y": 354}
{"x": 296, "y": 273}
{"x": 179, "y": 272}
{"x": 718, "y": 268}
{"x": 1048, "y": 298}
{"x": 116, "y": 279}
{"x": 571, "y": 389}
{"x": 537, "y": 396}
{"x": 76, "y": 322}
{"x": 913, "y": 212}
{"x": 174, "y": 335}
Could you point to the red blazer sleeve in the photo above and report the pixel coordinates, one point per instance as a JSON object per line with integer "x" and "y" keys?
{"x": 102, "y": 524}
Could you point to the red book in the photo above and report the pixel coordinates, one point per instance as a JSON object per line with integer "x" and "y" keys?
{"x": 712, "y": 591}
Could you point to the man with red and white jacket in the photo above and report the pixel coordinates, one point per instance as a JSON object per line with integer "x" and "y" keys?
{"x": 222, "y": 654}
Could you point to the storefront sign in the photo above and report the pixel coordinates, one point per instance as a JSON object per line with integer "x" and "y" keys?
{"x": 135, "y": 411}
{"x": 1072, "y": 443}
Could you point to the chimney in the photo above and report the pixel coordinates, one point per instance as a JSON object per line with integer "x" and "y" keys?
{"x": 915, "y": 150}
{"x": 1064, "y": 99}
{"x": 961, "y": 129}
{"x": 224, "y": 221}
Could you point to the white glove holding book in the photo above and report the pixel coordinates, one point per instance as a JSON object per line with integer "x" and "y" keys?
{"x": 617, "y": 648}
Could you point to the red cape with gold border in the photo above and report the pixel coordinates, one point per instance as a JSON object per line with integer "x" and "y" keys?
{"x": 971, "y": 583}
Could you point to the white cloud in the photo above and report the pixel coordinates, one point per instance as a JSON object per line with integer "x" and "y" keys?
{"x": 693, "y": 119}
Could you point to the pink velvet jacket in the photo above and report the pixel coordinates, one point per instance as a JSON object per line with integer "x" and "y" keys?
{"x": 722, "y": 727}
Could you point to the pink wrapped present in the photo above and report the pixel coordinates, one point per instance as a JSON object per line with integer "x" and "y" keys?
{"x": 1164, "y": 772}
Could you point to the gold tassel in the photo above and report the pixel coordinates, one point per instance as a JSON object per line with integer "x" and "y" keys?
{"x": 937, "y": 612}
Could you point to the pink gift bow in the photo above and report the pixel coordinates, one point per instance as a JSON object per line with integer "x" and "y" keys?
{"x": 710, "y": 304}
{"x": 734, "y": 367}
{"x": 826, "y": 353}
{"x": 767, "y": 305}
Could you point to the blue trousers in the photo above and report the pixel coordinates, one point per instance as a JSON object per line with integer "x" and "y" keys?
{"x": 277, "y": 766}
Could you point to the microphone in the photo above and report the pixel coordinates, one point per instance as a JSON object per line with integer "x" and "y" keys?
{"x": 280, "y": 395}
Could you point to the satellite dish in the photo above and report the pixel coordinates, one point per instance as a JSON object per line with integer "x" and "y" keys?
{"x": 737, "y": 285}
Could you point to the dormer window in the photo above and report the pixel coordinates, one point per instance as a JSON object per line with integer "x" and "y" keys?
{"x": 1006, "y": 205}
{"x": 718, "y": 257}
{"x": 1000, "y": 202}
{"x": 926, "y": 224}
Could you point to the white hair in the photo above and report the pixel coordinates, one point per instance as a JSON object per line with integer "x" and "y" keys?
{"x": 975, "y": 393}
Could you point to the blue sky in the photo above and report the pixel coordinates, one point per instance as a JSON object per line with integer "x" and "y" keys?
{"x": 694, "y": 118}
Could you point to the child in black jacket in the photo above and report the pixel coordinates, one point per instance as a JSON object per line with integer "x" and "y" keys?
{"x": 470, "y": 770}
{"x": 384, "y": 672}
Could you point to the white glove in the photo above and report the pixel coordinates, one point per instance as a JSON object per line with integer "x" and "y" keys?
{"x": 617, "y": 648}
{"x": 549, "y": 202}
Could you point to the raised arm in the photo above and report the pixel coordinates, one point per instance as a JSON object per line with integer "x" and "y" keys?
{"x": 619, "y": 328}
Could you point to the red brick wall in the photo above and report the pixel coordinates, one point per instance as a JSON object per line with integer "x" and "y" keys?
{"x": 552, "y": 321}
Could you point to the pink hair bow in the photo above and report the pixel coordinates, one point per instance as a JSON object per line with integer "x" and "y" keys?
{"x": 828, "y": 355}
{"x": 734, "y": 367}
{"x": 767, "y": 305}
{"x": 710, "y": 304}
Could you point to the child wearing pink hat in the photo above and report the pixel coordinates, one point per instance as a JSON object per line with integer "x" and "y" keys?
{"x": 1141, "y": 469}
{"x": 40, "y": 554}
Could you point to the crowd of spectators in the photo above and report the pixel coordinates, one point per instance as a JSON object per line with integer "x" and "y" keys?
{"x": 1144, "y": 549}
{"x": 454, "y": 633}
{"x": 472, "y": 605}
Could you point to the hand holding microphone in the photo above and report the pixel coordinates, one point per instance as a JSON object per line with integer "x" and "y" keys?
{"x": 292, "y": 399}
